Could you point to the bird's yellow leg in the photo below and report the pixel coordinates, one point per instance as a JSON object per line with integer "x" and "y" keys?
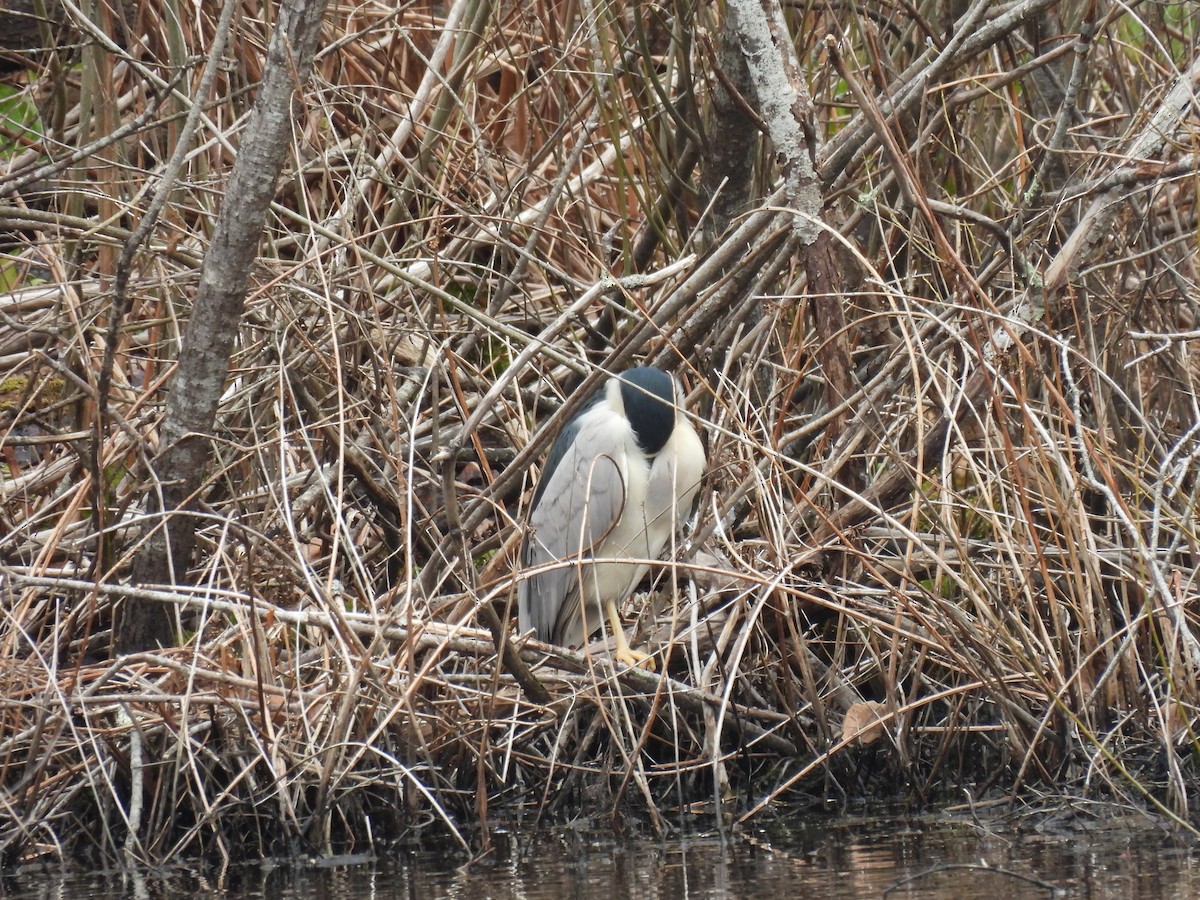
{"x": 624, "y": 653}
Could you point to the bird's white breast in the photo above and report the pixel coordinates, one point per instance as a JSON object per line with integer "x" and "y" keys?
{"x": 658, "y": 497}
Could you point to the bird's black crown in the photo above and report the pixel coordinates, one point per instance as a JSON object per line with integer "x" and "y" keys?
{"x": 649, "y": 398}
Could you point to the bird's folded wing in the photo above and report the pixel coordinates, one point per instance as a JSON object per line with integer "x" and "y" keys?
{"x": 576, "y": 509}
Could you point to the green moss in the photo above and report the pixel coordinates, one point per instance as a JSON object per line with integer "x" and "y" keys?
{"x": 14, "y": 390}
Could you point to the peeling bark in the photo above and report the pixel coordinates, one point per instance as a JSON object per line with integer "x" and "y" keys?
{"x": 783, "y": 103}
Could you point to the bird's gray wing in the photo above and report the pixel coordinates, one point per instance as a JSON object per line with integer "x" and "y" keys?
{"x": 578, "y": 503}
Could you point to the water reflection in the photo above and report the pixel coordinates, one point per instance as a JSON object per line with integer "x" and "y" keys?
{"x": 940, "y": 858}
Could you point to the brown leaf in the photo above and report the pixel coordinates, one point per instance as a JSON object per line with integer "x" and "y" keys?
{"x": 862, "y": 723}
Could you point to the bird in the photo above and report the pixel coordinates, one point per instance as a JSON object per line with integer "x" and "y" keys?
{"x": 618, "y": 481}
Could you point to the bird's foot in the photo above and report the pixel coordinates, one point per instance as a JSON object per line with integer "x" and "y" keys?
{"x": 635, "y": 659}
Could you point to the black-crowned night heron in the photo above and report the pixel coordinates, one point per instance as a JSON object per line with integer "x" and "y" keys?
{"x": 619, "y": 478}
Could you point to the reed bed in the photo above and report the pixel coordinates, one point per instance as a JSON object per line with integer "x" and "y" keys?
{"x": 946, "y": 550}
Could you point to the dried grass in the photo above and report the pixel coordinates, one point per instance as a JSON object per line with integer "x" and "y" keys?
{"x": 991, "y": 541}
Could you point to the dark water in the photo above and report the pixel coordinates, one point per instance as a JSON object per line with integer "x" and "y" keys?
{"x": 936, "y": 858}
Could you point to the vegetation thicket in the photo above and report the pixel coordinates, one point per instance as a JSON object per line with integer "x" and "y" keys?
{"x": 928, "y": 269}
